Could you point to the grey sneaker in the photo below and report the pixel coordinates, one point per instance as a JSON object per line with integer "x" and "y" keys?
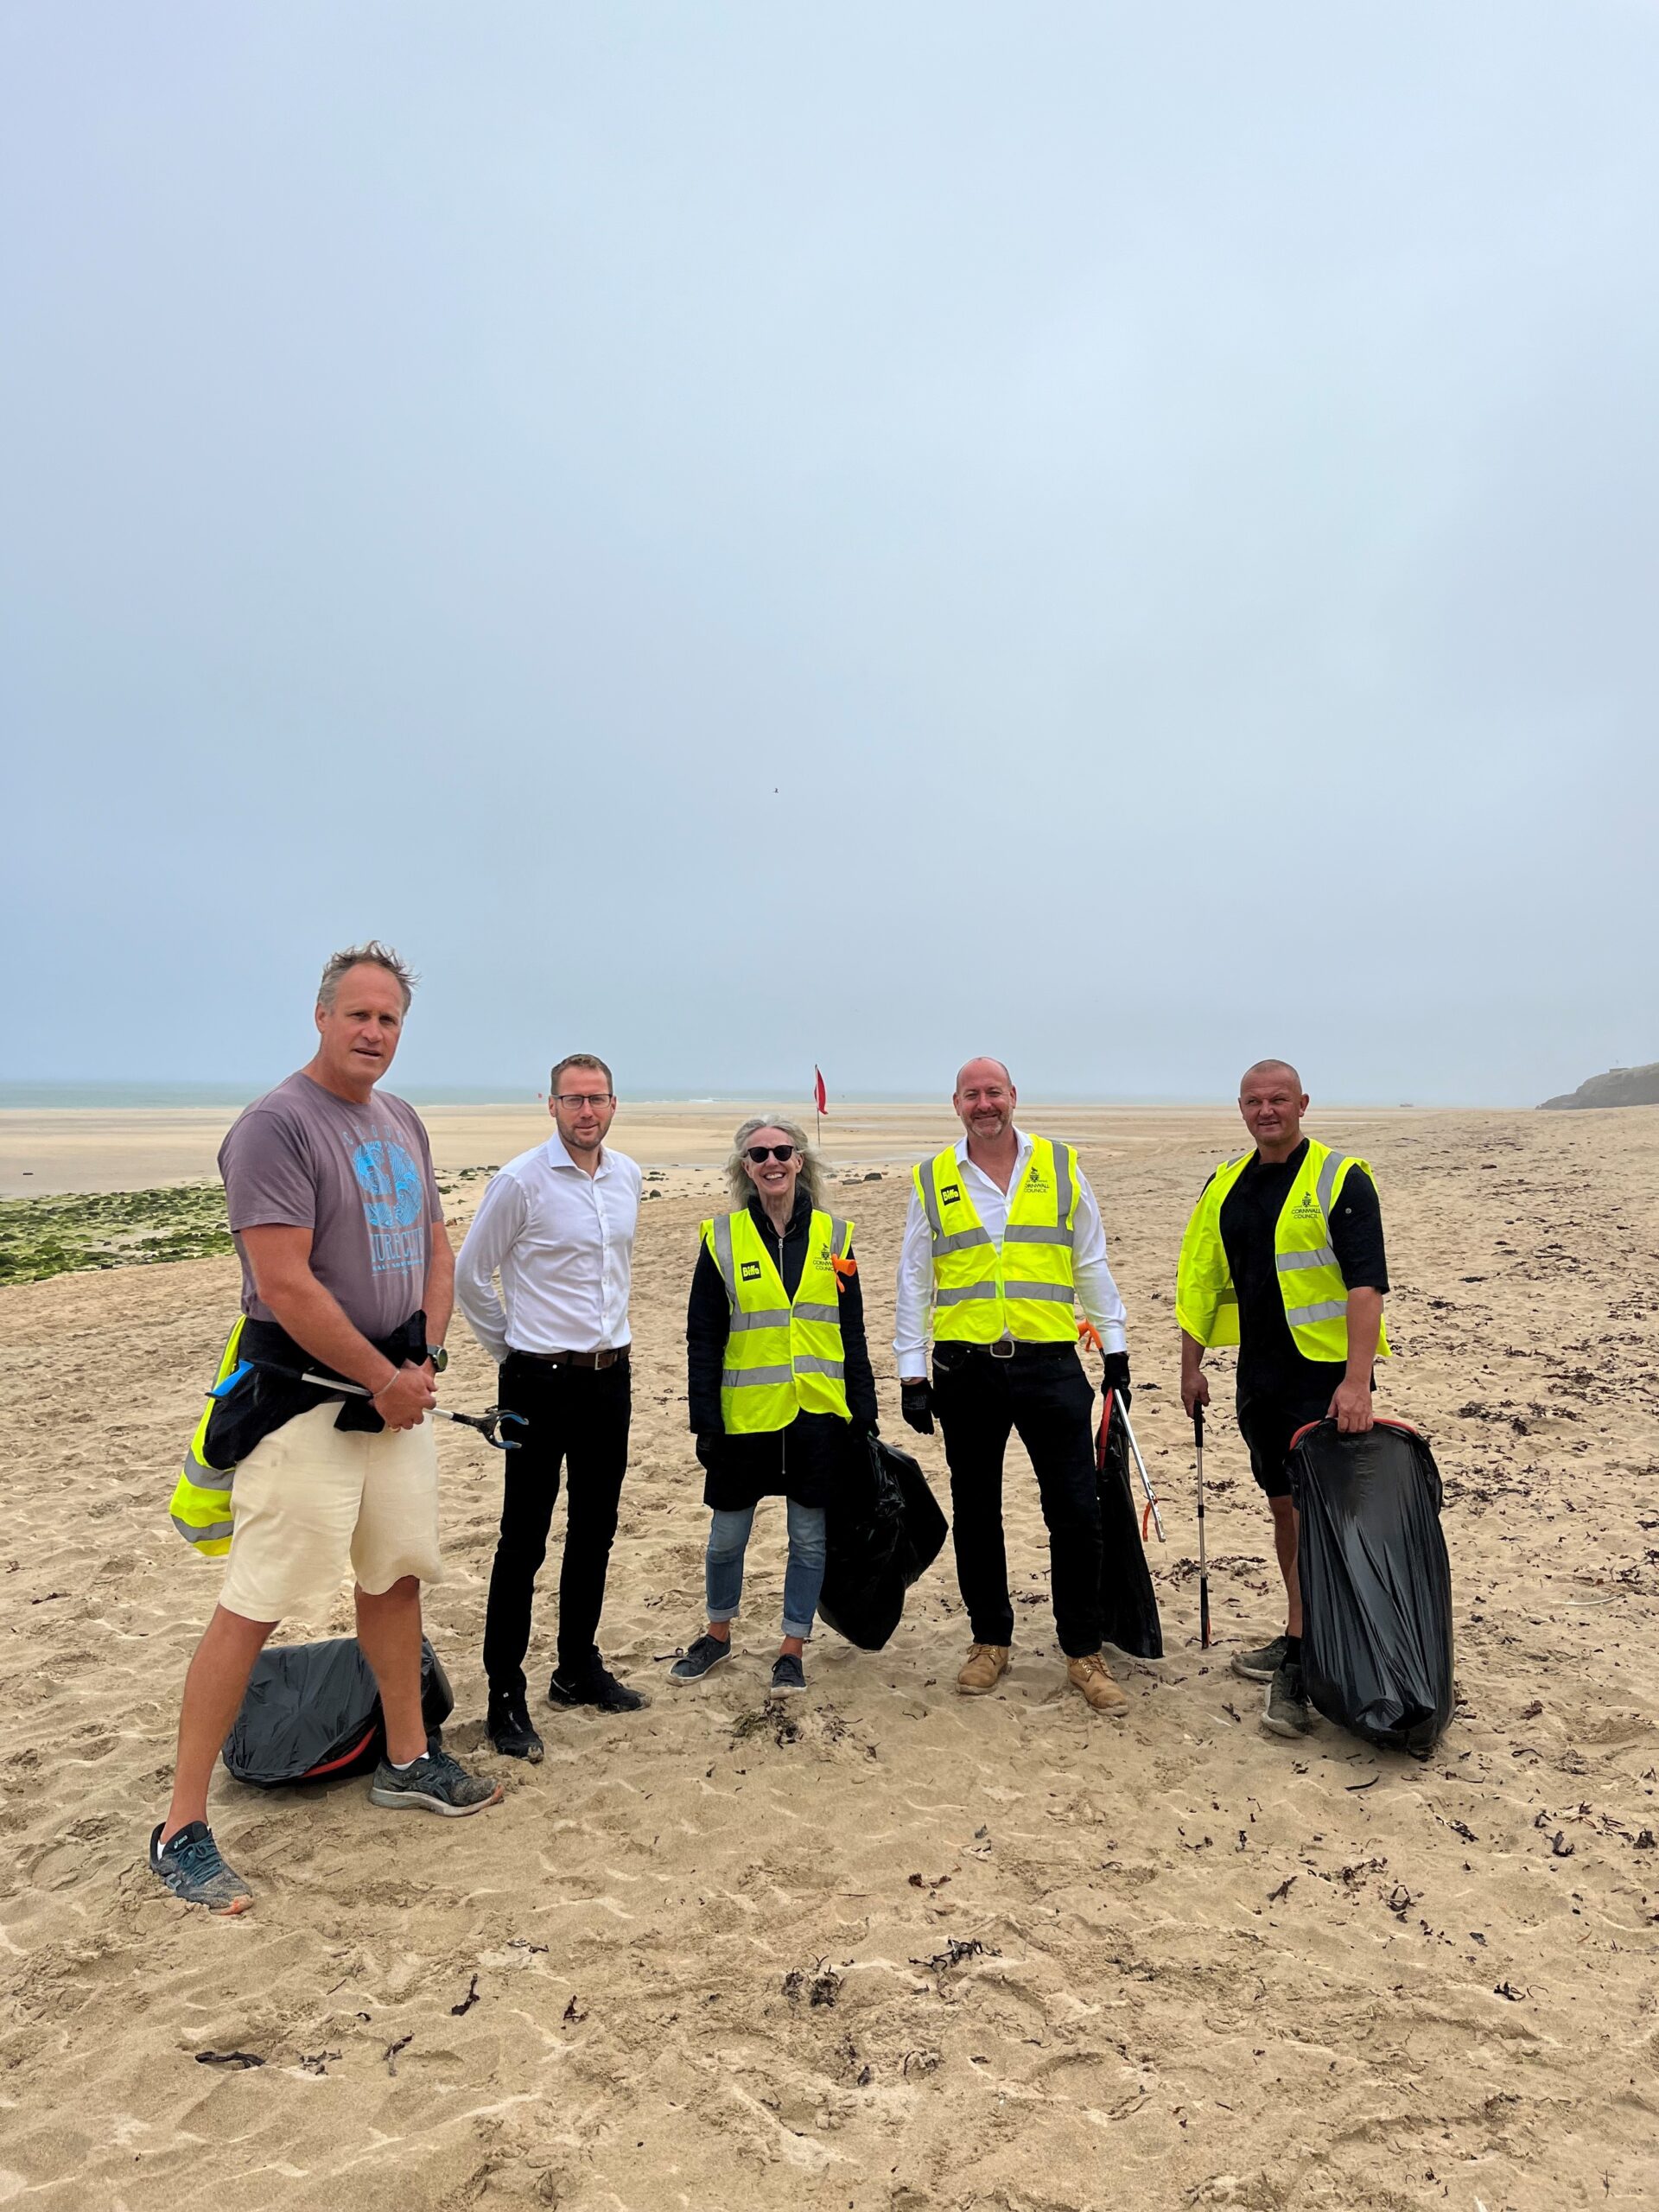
{"x": 1262, "y": 1664}
{"x": 192, "y": 1868}
{"x": 704, "y": 1655}
{"x": 788, "y": 1675}
{"x": 1287, "y": 1710}
{"x": 432, "y": 1783}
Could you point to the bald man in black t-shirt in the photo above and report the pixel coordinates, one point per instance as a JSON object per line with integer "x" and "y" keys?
{"x": 1281, "y": 1389}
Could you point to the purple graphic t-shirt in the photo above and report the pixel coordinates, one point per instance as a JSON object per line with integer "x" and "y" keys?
{"x": 359, "y": 1177}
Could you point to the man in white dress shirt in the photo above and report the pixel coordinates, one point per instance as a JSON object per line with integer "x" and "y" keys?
{"x": 558, "y": 1226}
{"x": 1003, "y": 1236}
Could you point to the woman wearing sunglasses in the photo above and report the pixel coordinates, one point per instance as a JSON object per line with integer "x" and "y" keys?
{"x": 780, "y": 1388}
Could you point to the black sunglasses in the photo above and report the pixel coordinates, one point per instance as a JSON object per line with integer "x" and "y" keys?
{"x": 757, "y": 1153}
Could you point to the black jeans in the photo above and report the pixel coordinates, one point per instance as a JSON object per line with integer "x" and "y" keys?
{"x": 1047, "y": 1398}
{"x": 578, "y": 1416}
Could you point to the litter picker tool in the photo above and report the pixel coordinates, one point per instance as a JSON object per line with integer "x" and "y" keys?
{"x": 1114, "y": 1409}
{"x": 486, "y": 1423}
{"x": 1204, "y": 1570}
{"x": 1122, "y": 1412}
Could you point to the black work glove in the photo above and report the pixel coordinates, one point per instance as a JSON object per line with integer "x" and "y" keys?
{"x": 916, "y": 1403}
{"x": 707, "y": 1439}
{"x": 1116, "y": 1376}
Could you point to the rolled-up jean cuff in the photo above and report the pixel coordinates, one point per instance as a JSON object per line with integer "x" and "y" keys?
{"x": 803, "y": 1629}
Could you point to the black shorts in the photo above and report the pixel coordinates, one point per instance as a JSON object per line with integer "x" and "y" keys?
{"x": 1267, "y": 1424}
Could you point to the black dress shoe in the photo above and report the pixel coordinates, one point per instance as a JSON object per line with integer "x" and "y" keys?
{"x": 511, "y": 1729}
{"x": 595, "y": 1685}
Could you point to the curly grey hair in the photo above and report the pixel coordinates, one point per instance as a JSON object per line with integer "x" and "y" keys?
{"x": 737, "y": 1175}
{"x": 371, "y": 955}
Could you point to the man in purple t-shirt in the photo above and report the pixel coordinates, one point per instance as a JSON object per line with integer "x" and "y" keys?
{"x": 346, "y": 1267}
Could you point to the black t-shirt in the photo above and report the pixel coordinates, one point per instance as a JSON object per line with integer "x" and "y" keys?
{"x": 1268, "y": 1362}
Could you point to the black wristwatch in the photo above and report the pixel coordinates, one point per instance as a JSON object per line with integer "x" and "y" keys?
{"x": 438, "y": 1358}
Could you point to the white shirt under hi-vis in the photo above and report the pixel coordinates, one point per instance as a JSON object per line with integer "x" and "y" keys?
{"x": 1096, "y": 1292}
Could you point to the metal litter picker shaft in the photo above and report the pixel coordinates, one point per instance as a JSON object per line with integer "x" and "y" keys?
{"x": 1146, "y": 1480}
{"x": 486, "y": 1423}
{"x": 1204, "y": 1569}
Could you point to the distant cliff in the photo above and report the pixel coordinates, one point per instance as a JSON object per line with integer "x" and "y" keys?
{"x": 1618, "y": 1087}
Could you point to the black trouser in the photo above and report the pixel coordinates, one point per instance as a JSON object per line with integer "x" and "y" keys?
{"x": 1044, "y": 1396}
{"x": 574, "y": 1414}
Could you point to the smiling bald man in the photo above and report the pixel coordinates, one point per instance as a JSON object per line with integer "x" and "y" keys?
{"x": 1002, "y": 1239}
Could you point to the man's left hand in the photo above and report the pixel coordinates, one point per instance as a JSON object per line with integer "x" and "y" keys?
{"x": 1351, "y": 1406}
{"x": 1114, "y": 1374}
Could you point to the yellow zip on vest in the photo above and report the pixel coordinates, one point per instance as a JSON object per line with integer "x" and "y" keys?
{"x": 783, "y": 1355}
{"x": 1024, "y": 1289}
{"x": 1310, "y": 1281}
{"x": 201, "y": 1505}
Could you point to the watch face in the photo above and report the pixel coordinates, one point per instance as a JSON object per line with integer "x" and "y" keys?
{"x": 438, "y": 1358}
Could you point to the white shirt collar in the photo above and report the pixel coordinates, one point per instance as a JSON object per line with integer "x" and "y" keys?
{"x": 558, "y": 1155}
{"x": 1023, "y": 1146}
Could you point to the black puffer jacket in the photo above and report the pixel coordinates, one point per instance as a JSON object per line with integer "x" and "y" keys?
{"x": 808, "y": 1460}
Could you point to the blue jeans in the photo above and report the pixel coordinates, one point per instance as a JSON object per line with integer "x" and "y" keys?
{"x": 728, "y": 1536}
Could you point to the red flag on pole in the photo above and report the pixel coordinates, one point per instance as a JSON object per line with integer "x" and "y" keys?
{"x": 820, "y": 1095}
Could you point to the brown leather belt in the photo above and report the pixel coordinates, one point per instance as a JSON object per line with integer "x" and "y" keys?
{"x": 610, "y": 1357}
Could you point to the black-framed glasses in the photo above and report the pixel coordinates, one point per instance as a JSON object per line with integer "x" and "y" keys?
{"x": 570, "y": 1100}
{"x": 757, "y": 1153}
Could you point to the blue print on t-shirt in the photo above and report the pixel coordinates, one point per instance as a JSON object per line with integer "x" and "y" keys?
{"x": 394, "y": 1196}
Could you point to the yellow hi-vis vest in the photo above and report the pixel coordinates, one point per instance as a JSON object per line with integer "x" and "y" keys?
{"x": 1311, "y": 1282}
{"x": 783, "y": 1357}
{"x": 982, "y": 1294}
{"x": 201, "y": 1504}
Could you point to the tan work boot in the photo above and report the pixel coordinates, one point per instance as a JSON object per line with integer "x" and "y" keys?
{"x": 983, "y": 1669}
{"x": 1094, "y": 1678}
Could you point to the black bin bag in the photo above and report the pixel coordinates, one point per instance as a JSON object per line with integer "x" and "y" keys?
{"x": 1128, "y": 1604}
{"x": 312, "y": 1713}
{"x": 884, "y": 1528}
{"x": 1376, "y": 1584}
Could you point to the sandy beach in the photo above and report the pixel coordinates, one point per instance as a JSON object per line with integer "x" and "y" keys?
{"x": 890, "y": 1951}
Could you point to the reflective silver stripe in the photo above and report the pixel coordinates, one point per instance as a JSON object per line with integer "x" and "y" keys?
{"x": 1059, "y": 1293}
{"x": 724, "y": 1259}
{"x": 1327, "y": 1188}
{"x": 833, "y": 1368}
{"x": 1062, "y": 1182}
{"x": 209, "y": 1534}
{"x": 201, "y": 1476}
{"x": 930, "y": 1199}
{"x": 1287, "y": 1263}
{"x": 804, "y": 1311}
{"x": 1332, "y": 1309}
{"x": 961, "y": 1242}
{"x": 774, "y": 1317}
{"x": 837, "y": 1235}
{"x": 1017, "y": 1233}
{"x": 743, "y": 1378}
{"x": 967, "y": 1291}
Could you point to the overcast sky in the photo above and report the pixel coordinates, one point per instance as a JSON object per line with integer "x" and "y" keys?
{"x": 1123, "y": 537}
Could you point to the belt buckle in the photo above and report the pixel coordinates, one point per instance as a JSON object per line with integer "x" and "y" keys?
{"x": 1002, "y": 1348}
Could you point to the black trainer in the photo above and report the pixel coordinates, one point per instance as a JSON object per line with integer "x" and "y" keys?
{"x": 432, "y": 1783}
{"x": 706, "y": 1653}
{"x": 510, "y": 1728}
{"x": 1287, "y": 1710}
{"x": 788, "y": 1675}
{"x": 189, "y": 1863}
{"x": 1263, "y": 1663}
{"x": 593, "y": 1684}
